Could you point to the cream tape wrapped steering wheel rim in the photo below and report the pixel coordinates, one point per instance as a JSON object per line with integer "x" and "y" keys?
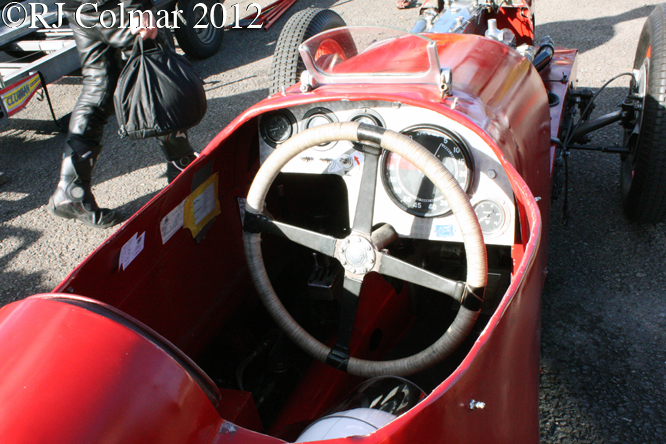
{"x": 477, "y": 268}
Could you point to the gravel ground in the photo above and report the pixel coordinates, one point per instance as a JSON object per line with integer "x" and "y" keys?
{"x": 604, "y": 353}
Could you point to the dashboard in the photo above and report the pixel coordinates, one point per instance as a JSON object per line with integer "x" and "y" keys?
{"x": 404, "y": 198}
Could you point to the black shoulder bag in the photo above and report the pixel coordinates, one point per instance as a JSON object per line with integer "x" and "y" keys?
{"x": 158, "y": 92}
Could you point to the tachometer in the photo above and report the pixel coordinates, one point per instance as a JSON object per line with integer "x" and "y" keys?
{"x": 409, "y": 188}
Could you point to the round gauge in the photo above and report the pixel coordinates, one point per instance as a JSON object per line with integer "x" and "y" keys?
{"x": 318, "y": 120}
{"x": 277, "y": 127}
{"x": 368, "y": 119}
{"x": 491, "y": 216}
{"x": 409, "y": 188}
{"x": 316, "y": 117}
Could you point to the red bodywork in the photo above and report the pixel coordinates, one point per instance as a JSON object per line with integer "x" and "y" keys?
{"x": 76, "y": 370}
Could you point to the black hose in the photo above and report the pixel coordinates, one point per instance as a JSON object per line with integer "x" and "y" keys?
{"x": 545, "y": 53}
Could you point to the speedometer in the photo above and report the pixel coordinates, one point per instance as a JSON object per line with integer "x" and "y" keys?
{"x": 409, "y": 188}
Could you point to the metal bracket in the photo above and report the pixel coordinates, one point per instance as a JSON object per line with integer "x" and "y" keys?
{"x": 254, "y": 223}
{"x": 308, "y": 82}
{"x": 446, "y": 82}
{"x": 472, "y": 298}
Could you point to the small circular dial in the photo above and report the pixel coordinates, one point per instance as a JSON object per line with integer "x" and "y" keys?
{"x": 409, "y": 188}
{"x": 491, "y": 216}
{"x": 368, "y": 119}
{"x": 278, "y": 128}
{"x": 318, "y": 120}
{"x": 317, "y": 117}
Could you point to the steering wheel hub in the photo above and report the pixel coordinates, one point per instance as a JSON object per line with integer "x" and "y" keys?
{"x": 356, "y": 254}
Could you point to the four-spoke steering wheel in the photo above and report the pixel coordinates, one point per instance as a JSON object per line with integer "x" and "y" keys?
{"x": 361, "y": 252}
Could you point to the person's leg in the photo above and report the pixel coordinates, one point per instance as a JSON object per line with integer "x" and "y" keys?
{"x": 73, "y": 198}
{"x": 178, "y": 152}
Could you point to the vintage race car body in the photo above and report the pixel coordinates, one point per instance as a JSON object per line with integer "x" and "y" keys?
{"x": 114, "y": 353}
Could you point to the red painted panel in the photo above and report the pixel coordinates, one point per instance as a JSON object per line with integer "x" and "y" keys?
{"x": 173, "y": 293}
{"x": 177, "y": 297}
{"x": 74, "y": 376}
{"x": 239, "y": 408}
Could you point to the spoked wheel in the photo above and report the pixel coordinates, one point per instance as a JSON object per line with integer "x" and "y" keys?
{"x": 363, "y": 251}
{"x": 287, "y": 63}
{"x": 643, "y": 171}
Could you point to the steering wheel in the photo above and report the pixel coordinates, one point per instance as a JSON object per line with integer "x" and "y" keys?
{"x": 360, "y": 252}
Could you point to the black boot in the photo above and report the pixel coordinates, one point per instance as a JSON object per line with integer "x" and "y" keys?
{"x": 178, "y": 152}
{"x": 73, "y": 198}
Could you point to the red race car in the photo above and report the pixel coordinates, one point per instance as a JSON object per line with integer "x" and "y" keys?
{"x": 357, "y": 258}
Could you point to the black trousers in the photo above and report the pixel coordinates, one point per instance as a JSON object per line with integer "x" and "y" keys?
{"x": 102, "y": 53}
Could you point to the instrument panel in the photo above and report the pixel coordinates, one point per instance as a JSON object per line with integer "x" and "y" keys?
{"x": 405, "y": 198}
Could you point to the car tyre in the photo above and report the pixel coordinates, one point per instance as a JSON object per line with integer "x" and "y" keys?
{"x": 199, "y": 43}
{"x": 643, "y": 171}
{"x": 287, "y": 63}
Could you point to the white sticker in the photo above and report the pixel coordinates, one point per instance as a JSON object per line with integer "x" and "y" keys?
{"x": 357, "y": 163}
{"x": 131, "y": 250}
{"x": 172, "y": 222}
{"x": 204, "y": 204}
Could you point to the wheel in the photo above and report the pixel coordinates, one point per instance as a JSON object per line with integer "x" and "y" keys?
{"x": 643, "y": 171}
{"x": 199, "y": 43}
{"x": 362, "y": 252}
{"x": 287, "y": 63}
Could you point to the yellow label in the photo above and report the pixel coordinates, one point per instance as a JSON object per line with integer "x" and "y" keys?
{"x": 202, "y": 206}
{"x": 17, "y": 97}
